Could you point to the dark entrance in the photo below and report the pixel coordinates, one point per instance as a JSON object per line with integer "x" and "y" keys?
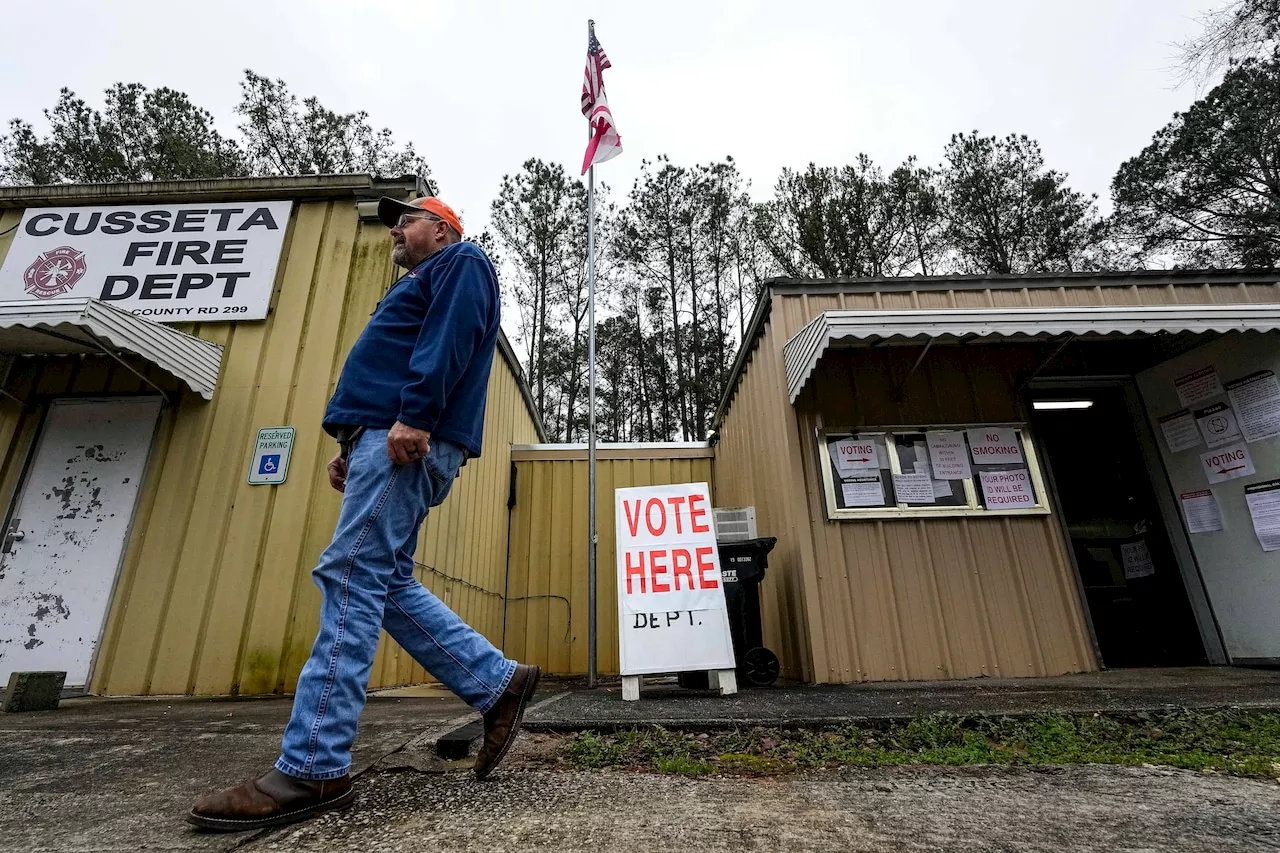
{"x": 1132, "y": 582}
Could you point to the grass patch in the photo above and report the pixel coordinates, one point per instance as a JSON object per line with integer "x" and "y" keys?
{"x": 1245, "y": 743}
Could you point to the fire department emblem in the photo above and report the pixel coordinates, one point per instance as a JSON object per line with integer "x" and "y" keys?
{"x": 54, "y": 272}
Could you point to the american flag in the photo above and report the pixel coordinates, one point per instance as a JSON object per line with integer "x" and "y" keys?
{"x": 605, "y": 143}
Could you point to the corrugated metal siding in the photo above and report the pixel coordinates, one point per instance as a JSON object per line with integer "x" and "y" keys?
{"x": 215, "y": 594}
{"x": 908, "y": 599}
{"x": 547, "y": 592}
{"x": 757, "y": 464}
{"x": 944, "y": 598}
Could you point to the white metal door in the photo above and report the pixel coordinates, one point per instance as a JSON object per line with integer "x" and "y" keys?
{"x": 1241, "y": 578}
{"x": 62, "y": 548}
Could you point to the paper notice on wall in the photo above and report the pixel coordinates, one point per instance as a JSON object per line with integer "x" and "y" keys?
{"x": 855, "y": 455}
{"x": 863, "y": 491}
{"x": 1218, "y": 425}
{"x": 1264, "y": 508}
{"x": 1200, "y": 509}
{"x": 921, "y": 465}
{"x": 1007, "y": 489}
{"x": 1256, "y": 399}
{"x": 994, "y": 445}
{"x": 948, "y": 454}
{"x": 1180, "y": 431}
{"x": 1227, "y": 463}
{"x": 1137, "y": 560}
{"x": 1198, "y": 387}
{"x": 913, "y": 488}
{"x": 942, "y": 489}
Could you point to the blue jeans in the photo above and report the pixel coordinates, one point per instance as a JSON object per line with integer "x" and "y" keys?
{"x": 366, "y": 579}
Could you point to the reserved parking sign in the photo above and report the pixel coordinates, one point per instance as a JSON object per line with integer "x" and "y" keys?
{"x": 270, "y": 464}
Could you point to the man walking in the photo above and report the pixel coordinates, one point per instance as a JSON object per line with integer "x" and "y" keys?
{"x": 407, "y": 413}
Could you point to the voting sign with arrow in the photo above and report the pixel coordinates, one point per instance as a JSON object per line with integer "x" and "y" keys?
{"x": 853, "y": 455}
{"x": 1227, "y": 463}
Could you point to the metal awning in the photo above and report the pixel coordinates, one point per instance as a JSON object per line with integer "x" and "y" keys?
{"x": 73, "y": 326}
{"x": 854, "y": 328}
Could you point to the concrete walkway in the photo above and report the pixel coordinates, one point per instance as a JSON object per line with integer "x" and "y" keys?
{"x": 1063, "y": 810}
{"x": 118, "y": 775}
{"x": 1114, "y": 690}
{"x": 109, "y": 774}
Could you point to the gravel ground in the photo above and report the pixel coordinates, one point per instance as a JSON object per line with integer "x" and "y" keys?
{"x": 1059, "y": 809}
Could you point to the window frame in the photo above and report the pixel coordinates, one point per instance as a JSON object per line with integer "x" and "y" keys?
{"x": 974, "y": 508}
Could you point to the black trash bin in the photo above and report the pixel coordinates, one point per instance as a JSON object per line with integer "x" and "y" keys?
{"x": 742, "y": 567}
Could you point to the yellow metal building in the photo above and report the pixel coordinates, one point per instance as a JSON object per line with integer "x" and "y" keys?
{"x": 1114, "y": 394}
{"x": 213, "y": 593}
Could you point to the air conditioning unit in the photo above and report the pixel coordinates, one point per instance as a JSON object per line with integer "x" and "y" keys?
{"x": 734, "y": 524}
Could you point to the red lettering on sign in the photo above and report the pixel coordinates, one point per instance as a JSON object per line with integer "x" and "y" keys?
{"x": 648, "y": 516}
{"x": 681, "y": 565}
{"x": 657, "y": 569}
{"x": 637, "y": 570}
{"x": 633, "y": 521}
{"x": 705, "y": 564}
{"x": 695, "y": 514}
{"x": 677, "y": 502}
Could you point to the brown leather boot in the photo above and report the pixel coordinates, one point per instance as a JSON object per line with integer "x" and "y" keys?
{"x": 272, "y": 799}
{"x": 502, "y": 721}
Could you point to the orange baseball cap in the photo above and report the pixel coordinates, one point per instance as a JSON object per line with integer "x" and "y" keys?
{"x": 390, "y": 210}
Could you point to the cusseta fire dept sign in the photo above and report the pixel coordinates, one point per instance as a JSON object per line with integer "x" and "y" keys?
{"x": 198, "y": 262}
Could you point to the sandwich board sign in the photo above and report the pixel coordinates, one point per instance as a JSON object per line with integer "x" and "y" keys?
{"x": 672, "y": 615}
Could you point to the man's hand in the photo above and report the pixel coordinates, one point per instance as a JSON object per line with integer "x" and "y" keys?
{"x": 406, "y": 444}
{"x": 338, "y": 472}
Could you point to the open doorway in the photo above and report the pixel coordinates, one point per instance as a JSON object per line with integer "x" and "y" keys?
{"x": 1128, "y": 568}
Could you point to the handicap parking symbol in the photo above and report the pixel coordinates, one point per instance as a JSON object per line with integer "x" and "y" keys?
{"x": 269, "y": 464}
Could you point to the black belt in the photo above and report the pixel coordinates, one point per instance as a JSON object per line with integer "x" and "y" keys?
{"x": 347, "y": 437}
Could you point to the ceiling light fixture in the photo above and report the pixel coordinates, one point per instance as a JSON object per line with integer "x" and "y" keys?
{"x": 1055, "y": 405}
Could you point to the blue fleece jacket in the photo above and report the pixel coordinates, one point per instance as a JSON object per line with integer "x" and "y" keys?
{"x": 425, "y": 355}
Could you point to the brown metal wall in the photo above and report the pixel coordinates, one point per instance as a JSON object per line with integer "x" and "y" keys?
{"x": 215, "y": 594}
{"x": 936, "y": 598}
{"x": 547, "y": 591}
{"x": 918, "y": 599}
{"x": 757, "y": 464}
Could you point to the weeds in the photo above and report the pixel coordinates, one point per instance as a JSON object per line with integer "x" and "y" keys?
{"x": 1239, "y": 742}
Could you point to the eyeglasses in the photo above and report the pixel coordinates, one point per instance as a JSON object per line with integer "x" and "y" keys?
{"x": 406, "y": 218}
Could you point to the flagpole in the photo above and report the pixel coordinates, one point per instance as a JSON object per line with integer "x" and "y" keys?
{"x": 591, "y": 416}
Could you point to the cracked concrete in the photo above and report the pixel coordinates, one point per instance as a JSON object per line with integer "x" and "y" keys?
{"x": 116, "y": 775}
{"x": 1063, "y": 810}
{"x": 833, "y": 704}
{"x": 107, "y": 775}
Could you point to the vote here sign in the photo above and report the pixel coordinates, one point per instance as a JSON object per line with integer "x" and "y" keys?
{"x": 671, "y": 605}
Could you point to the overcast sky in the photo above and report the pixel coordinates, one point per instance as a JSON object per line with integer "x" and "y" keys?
{"x": 481, "y": 86}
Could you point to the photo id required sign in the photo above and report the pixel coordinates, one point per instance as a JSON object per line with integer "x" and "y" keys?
{"x": 270, "y": 463}
{"x": 671, "y": 606}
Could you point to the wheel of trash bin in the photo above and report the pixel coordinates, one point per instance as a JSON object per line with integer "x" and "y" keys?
{"x": 760, "y": 667}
